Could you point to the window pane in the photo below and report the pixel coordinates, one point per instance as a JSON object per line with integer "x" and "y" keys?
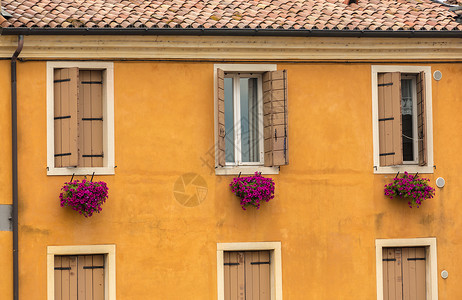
{"x": 407, "y": 115}
{"x": 229, "y": 120}
{"x": 249, "y": 120}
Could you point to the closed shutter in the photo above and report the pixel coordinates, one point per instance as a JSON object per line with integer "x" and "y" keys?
{"x": 221, "y": 159}
{"x": 392, "y": 274}
{"x": 257, "y": 275}
{"x": 247, "y": 275}
{"x": 404, "y": 273}
{"x": 65, "y": 277}
{"x": 91, "y": 119}
{"x": 79, "y": 277}
{"x": 421, "y": 117}
{"x": 390, "y": 127}
{"x": 65, "y": 116}
{"x": 275, "y": 118}
{"x": 414, "y": 272}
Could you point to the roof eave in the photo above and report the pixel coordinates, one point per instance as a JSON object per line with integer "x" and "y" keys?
{"x": 234, "y": 32}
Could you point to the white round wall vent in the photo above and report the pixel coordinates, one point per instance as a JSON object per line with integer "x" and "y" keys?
{"x": 444, "y": 274}
{"x": 440, "y": 182}
{"x": 437, "y": 75}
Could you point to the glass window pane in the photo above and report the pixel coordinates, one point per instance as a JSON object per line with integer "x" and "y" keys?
{"x": 407, "y": 115}
{"x": 229, "y": 120}
{"x": 249, "y": 120}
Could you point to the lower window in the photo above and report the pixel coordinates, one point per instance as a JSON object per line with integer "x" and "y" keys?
{"x": 404, "y": 273}
{"x": 406, "y": 269}
{"x": 247, "y": 274}
{"x": 79, "y": 277}
{"x": 81, "y": 272}
{"x": 249, "y": 271}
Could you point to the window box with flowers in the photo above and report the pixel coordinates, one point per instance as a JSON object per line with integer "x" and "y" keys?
{"x": 86, "y": 197}
{"x": 253, "y": 190}
{"x": 414, "y": 189}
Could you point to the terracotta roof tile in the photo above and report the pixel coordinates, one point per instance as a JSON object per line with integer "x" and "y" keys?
{"x": 288, "y": 14}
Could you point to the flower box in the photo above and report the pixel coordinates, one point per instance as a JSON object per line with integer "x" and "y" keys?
{"x": 411, "y": 187}
{"x": 86, "y": 197}
{"x": 253, "y": 190}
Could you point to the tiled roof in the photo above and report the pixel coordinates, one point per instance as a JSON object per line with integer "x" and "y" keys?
{"x": 329, "y": 15}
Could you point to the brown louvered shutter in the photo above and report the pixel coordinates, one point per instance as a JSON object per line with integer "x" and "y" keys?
{"x": 66, "y": 97}
{"x": 221, "y": 146}
{"x": 91, "y": 119}
{"x": 275, "y": 118}
{"x": 390, "y": 128}
{"x": 79, "y": 277}
{"x": 421, "y": 119}
{"x": 247, "y": 275}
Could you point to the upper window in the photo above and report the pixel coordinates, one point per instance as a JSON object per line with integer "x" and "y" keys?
{"x": 252, "y": 119}
{"x": 402, "y": 119}
{"x": 80, "y": 118}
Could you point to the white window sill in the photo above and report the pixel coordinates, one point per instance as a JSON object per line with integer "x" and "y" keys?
{"x": 404, "y": 168}
{"x": 81, "y": 171}
{"x": 246, "y": 170}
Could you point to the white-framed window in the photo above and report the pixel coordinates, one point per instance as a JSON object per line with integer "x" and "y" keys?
{"x": 243, "y": 119}
{"x": 402, "y": 119}
{"x": 251, "y": 119}
{"x": 80, "y": 118}
{"x": 260, "y": 260}
{"x": 406, "y": 269}
{"x": 80, "y": 271}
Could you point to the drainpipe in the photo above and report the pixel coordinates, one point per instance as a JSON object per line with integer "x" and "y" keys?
{"x": 14, "y": 145}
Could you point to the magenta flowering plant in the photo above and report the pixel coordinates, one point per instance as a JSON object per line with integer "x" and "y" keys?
{"x": 253, "y": 190}
{"x": 86, "y": 197}
{"x": 411, "y": 187}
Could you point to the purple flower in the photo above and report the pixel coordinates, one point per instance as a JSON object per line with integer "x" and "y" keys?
{"x": 253, "y": 190}
{"x": 86, "y": 197}
{"x": 411, "y": 187}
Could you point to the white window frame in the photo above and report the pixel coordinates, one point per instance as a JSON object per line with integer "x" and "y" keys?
{"x": 246, "y": 168}
{"x": 275, "y": 266}
{"x": 108, "y": 117}
{"x": 109, "y": 252}
{"x": 431, "y": 276}
{"x": 411, "y": 168}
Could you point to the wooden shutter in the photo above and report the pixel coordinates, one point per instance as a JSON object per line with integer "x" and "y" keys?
{"x": 247, "y": 275}
{"x": 392, "y": 274}
{"x": 414, "y": 272}
{"x": 234, "y": 275}
{"x": 421, "y": 119}
{"x": 390, "y": 127}
{"x": 91, "y": 119}
{"x": 404, "y": 273}
{"x": 275, "y": 118}
{"x": 79, "y": 277}
{"x": 65, "y": 278}
{"x": 257, "y": 275}
{"x": 65, "y": 116}
{"x": 221, "y": 159}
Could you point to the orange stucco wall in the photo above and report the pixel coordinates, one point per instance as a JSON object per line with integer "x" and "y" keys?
{"x": 328, "y": 210}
